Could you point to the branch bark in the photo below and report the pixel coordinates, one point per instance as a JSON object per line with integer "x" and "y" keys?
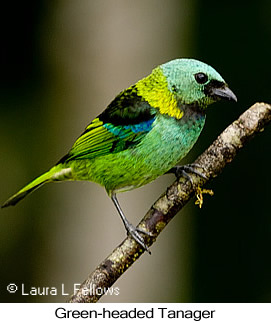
{"x": 212, "y": 161}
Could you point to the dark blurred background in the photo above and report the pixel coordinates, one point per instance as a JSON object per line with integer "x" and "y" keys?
{"x": 62, "y": 62}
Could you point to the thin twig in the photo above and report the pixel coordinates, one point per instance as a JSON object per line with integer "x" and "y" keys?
{"x": 212, "y": 161}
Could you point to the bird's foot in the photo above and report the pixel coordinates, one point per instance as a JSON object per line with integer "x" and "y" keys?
{"x": 133, "y": 231}
{"x": 199, "y": 195}
{"x": 135, "y": 234}
{"x": 184, "y": 171}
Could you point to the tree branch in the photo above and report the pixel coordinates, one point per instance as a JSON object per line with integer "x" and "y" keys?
{"x": 212, "y": 161}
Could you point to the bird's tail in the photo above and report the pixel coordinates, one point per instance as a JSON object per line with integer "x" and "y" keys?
{"x": 56, "y": 173}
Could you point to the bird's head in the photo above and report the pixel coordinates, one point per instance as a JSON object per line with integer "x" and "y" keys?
{"x": 194, "y": 82}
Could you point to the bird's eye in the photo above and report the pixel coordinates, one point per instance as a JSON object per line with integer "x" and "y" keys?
{"x": 201, "y": 78}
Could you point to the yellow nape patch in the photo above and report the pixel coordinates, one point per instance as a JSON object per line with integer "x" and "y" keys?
{"x": 154, "y": 89}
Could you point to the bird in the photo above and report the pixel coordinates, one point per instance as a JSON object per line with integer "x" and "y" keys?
{"x": 142, "y": 134}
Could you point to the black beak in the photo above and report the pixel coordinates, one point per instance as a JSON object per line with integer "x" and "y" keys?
{"x": 219, "y": 90}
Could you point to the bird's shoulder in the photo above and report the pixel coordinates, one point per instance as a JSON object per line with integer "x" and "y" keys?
{"x": 127, "y": 108}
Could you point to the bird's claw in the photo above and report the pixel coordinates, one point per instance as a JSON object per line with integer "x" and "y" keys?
{"x": 133, "y": 231}
{"x": 144, "y": 232}
{"x": 184, "y": 170}
{"x": 135, "y": 234}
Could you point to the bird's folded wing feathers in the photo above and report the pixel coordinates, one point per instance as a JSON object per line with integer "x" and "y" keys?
{"x": 122, "y": 125}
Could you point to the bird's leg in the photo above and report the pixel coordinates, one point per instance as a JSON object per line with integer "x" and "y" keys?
{"x": 132, "y": 230}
